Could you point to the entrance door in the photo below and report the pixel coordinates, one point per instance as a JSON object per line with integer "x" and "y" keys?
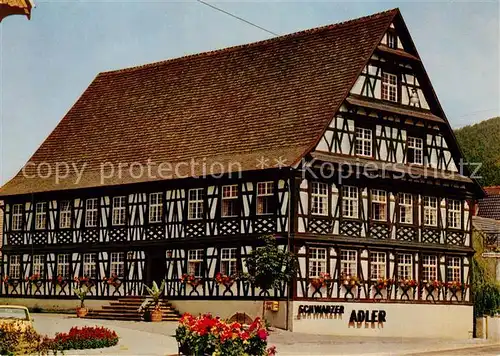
{"x": 155, "y": 266}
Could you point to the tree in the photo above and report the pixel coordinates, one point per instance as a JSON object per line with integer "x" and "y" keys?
{"x": 269, "y": 266}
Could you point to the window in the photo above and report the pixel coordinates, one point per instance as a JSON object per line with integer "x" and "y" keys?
{"x": 377, "y": 265}
{"x": 415, "y": 150}
{"x": 155, "y": 207}
{"x": 389, "y": 87}
{"x": 117, "y": 267}
{"x": 15, "y": 267}
{"x": 228, "y": 261}
{"x": 89, "y": 265}
{"x": 40, "y": 216}
{"x": 348, "y": 263}
{"x": 406, "y": 208}
{"x": 17, "y": 217}
{"x": 454, "y": 214}
{"x": 229, "y": 201}
{"x": 392, "y": 40}
{"x": 91, "y": 212}
{"x": 454, "y": 270}
{"x": 430, "y": 211}
{"x": 317, "y": 261}
{"x": 265, "y": 196}
{"x": 429, "y": 268}
{"x": 350, "y": 202}
{"x": 119, "y": 210}
{"x": 363, "y": 142}
{"x": 63, "y": 266}
{"x": 195, "y": 204}
{"x": 195, "y": 263}
{"x": 319, "y": 199}
{"x": 38, "y": 265}
{"x": 65, "y": 215}
{"x": 405, "y": 266}
{"x": 379, "y": 205}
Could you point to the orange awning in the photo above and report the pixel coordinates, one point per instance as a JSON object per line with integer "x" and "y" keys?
{"x": 15, "y": 7}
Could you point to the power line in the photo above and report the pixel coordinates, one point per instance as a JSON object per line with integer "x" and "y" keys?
{"x": 237, "y": 17}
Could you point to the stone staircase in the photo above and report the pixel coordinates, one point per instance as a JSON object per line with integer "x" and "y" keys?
{"x": 127, "y": 308}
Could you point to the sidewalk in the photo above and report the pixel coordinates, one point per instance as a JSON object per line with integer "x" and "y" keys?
{"x": 140, "y": 338}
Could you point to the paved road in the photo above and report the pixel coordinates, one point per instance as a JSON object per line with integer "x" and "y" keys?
{"x": 140, "y": 338}
{"x": 485, "y": 350}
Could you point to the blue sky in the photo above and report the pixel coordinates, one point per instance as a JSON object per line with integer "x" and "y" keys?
{"x": 46, "y": 63}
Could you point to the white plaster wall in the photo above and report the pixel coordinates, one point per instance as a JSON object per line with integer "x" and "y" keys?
{"x": 227, "y": 308}
{"x": 402, "y": 320}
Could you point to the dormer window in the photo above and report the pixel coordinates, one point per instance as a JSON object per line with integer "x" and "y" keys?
{"x": 389, "y": 87}
{"x": 392, "y": 40}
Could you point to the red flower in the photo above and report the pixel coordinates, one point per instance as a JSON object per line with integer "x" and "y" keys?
{"x": 262, "y": 334}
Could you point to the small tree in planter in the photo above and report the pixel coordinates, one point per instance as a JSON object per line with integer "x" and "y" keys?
{"x": 155, "y": 293}
{"x": 269, "y": 266}
{"x": 81, "y": 293}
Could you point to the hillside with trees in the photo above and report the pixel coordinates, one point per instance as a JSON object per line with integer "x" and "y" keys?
{"x": 481, "y": 143}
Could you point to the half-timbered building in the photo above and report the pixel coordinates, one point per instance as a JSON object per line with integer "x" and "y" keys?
{"x": 332, "y": 139}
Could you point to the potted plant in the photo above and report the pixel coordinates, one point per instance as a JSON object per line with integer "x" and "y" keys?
{"x": 321, "y": 281}
{"x": 81, "y": 293}
{"x": 155, "y": 293}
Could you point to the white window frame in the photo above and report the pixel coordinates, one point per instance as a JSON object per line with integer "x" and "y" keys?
{"x": 91, "y": 212}
{"x": 417, "y": 145}
{"x": 364, "y": 142}
{"x": 15, "y": 266}
{"x": 349, "y": 263}
{"x": 155, "y": 207}
{"x": 378, "y": 204}
{"x": 229, "y": 201}
{"x": 454, "y": 214}
{"x": 40, "y": 216}
{"x": 405, "y": 266}
{"x": 317, "y": 261}
{"x": 195, "y": 262}
{"x": 429, "y": 268}
{"x": 319, "y": 199}
{"x": 350, "y": 202}
{"x": 431, "y": 205}
{"x": 454, "y": 269}
{"x": 119, "y": 214}
{"x": 228, "y": 261}
{"x": 406, "y": 208}
{"x": 265, "y": 194}
{"x": 117, "y": 264}
{"x": 378, "y": 265}
{"x": 65, "y": 214}
{"x": 38, "y": 265}
{"x": 17, "y": 217}
{"x": 63, "y": 266}
{"x": 389, "y": 87}
{"x": 90, "y": 265}
{"x": 195, "y": 203}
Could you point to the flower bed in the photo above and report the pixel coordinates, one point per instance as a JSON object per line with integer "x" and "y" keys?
{"x": 206, "y": 335}
{"x": 87, "y": 337}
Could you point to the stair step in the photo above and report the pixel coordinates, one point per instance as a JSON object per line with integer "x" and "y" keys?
{"x": 127, "y": 308}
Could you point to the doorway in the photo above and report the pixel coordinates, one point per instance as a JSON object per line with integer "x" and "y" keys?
{"x": 155, "y": 266}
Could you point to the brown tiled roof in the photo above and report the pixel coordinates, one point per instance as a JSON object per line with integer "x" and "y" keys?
{"x": 489, "y": 206}
{"x": 271, "y": 98}
{"x": 492, "y": 190}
